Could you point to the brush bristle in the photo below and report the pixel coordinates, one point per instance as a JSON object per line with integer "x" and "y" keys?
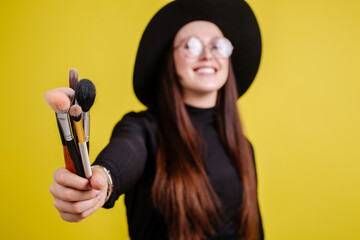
{"x": 57, "y": 100}
{"x": 69, "y": 92}
{"x": 73, "y": 78}
{"x": 75, "y": 112}
{"x": 85, "y": 93}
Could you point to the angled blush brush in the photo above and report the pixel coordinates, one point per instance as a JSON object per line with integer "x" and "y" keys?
{"x": 75, "y": 113}
{"x": 85, "y": 93}
{"x": 71, "y": 95}
{"x": 60, "y": 103}
{"x": 68, "y": 162}
{"x": 69, "y": 92}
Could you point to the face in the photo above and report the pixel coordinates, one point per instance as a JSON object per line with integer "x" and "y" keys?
{"x": 203, "y": 73}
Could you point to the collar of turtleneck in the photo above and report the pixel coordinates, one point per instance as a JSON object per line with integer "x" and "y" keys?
{"x": 201, "y": 115}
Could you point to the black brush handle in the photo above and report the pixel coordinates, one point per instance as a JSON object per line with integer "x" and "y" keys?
{"x": 73, "y": 132}
{"x": 75, "y": 157}
{"x": 68, "y": 162}
{"x": 61, "y": 133}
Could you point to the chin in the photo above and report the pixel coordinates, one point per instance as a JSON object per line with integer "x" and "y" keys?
{"x": 202, "y": 84}
{"x": 206, "y": 89}
{"x": 211, "y": 85}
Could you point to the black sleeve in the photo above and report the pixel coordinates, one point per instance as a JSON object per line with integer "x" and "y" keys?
{"x": 261, "y": 229}
{"x": 125, "y": 155}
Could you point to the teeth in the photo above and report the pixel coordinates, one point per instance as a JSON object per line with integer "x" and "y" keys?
{"x": 205, "y": 70}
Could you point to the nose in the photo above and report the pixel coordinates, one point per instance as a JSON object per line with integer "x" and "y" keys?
{"x": 206, "y": 54}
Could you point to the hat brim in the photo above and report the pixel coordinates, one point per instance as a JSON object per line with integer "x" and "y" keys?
{"x": 235, "y": 19}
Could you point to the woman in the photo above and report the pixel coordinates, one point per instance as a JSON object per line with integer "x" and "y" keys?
{"x": 184, "y": 165}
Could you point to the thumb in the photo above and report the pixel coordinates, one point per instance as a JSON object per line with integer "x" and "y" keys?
{"x": 98, "y": 179}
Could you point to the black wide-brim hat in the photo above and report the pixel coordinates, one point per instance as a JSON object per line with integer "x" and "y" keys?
{"x": 235, "y": 19}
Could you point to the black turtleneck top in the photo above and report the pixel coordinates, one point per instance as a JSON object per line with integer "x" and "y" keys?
{"x": 131, "y": 158}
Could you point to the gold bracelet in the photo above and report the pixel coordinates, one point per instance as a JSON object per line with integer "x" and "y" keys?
{"x": 109, "y": 181}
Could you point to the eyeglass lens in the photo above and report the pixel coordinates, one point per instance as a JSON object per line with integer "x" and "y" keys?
{"x": 219, "y": 47}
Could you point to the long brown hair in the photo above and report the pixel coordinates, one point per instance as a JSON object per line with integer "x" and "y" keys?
{"x": 181, "y": 191}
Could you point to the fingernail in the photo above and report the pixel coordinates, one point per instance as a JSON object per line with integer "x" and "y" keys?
{"x": 98, "y": 192}
{"x": 99, "y": 196}
{"x": 100, "y": 182}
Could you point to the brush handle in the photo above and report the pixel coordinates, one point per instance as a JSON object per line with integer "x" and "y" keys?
{"x": 64, "y": 122}
{"x": 68, "y": 162}
{"x": 60, "y": 131}
{"x": 75, "y": 137}
{"x": 85, "y": 159}
{"x": 65, "y": 126}
{"x": 83, "y": 148}
{"x": 75, "y": 158}
{"x": 86, "y": 122}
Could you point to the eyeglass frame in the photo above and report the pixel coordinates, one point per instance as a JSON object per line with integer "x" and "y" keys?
{"x": 186, "y": 41}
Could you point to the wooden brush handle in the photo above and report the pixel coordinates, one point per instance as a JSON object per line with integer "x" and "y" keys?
{"x": 68, "y": 162}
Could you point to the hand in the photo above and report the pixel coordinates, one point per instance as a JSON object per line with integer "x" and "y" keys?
{"x": 75, "y": 197}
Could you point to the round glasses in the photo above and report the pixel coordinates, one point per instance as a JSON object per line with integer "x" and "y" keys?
{"x": 192, "y": 47}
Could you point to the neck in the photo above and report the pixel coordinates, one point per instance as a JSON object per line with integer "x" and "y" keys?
{"x": 207, "y": 100}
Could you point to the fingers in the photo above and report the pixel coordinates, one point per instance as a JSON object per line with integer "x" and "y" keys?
{"x": 96, "y": 207}
{"x": 66, "y": 178}
{"x": 98, "y": 179}
{"x": 72, "y": 195}
{"x": 75, "y": 207}
{"x": 77, "y": 211}
{"x": 77, "y": 217}
{"x": 70, "y": 217}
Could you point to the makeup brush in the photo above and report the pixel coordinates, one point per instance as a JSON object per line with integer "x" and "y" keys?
{"x": 68, "y": 162}
{"x": 69, "y": 92}
{"x": 85, "y": 93}
{"x": 75, "y": 113}
{"x": 60, "y": 103}
{"x": 71, "y": 95}
{"x": 57, "y": 100}
{"x": 73, "y": 78}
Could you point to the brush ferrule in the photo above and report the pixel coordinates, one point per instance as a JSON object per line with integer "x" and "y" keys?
{"x": 86, "y": 119}
{"x": 65, "y": 125}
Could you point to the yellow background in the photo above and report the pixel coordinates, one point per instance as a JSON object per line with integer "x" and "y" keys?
{"x": 302, "y": 112}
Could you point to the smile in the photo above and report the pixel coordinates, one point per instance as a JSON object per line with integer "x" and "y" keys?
{"x": 206, "y": 70}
